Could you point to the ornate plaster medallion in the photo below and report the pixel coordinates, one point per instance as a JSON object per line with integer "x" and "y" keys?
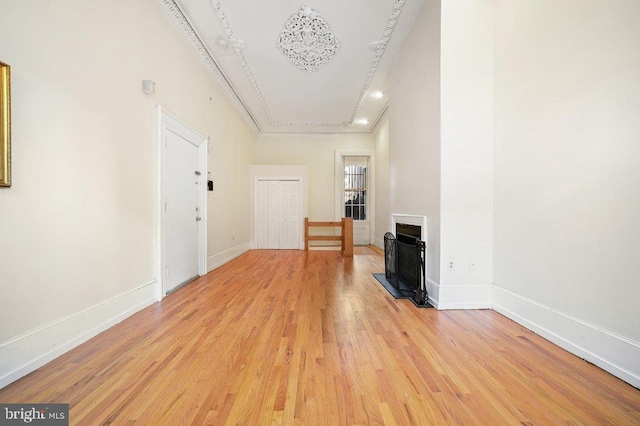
{"x": 307, "y": 40}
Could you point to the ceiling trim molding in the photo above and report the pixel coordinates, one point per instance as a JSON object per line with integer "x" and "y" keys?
{"x": 175, "y": 14}
{"x": 238, "y": 48}
{"x": 217, "y": 7}
{"x": 379, "y": 47}
{"x": 312, "y": 134}
{"x": 380, "y": 119}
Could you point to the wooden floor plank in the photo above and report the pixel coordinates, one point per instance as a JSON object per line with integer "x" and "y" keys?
{"x": 294, "y": 337}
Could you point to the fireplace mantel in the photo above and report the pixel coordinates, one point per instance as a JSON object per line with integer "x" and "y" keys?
{"x": 411, "y": 219}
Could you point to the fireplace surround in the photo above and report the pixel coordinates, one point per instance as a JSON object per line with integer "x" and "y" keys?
{"x": 405, "y": 257}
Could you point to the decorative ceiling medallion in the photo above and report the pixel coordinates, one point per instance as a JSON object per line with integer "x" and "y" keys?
{"x": 307, "y": 40}
{"x": 173, "y": 10}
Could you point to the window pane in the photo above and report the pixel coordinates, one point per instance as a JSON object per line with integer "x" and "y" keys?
{"x": 355, "y": 185}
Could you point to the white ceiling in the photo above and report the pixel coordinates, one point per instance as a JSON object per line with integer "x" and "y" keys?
{"x": 338, "y": 55}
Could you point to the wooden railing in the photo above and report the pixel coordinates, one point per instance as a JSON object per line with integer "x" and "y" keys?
{"x": 345, "y": 237}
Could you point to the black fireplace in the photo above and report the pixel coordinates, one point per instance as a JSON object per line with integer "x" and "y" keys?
{"x": 405, "y": 262}
{"x": 408, "y": 234}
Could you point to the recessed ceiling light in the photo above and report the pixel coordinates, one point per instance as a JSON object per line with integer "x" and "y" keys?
{"x": 377, "y": 95}
{"x": 361, "y": 121}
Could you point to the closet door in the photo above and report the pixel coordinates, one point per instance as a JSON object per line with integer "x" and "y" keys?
{"x": 274, "y": 214}
{"x": 278, "y": 214}
{"x": 263, "y": 214}
{"x": 289, "y": 224}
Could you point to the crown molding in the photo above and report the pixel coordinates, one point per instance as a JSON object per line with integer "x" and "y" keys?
{"x": 174, "y": 12}
{"x": 178, "y": 18}
{"x": 380, "y": 119}
{"x": 378, "y": 46}
{"x": 312, "y": 134}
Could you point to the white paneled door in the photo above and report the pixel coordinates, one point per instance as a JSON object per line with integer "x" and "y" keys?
{"x": 181, "y": 211}
{"x": 278, "y": 214}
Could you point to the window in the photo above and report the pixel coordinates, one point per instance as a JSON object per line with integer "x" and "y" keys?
{"x": 355, "y": 188}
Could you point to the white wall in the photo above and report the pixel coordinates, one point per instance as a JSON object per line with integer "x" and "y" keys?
{"x": 78, "y": 226}
{"x": 466, "y": 232}
{"x": 383, "y": 215}
{"x": 567, "y": 203}
{"x": 316, "y": 153}
{"x": 440, "y": 145}
{"x": 414, "y": 131}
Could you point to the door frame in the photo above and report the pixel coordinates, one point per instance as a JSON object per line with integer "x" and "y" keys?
{"x": 256, "y": 203}
{"x": 339, "y": 186}
{"x": 170, "y": 123}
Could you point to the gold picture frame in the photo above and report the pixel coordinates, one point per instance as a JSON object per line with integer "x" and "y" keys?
{"x": 5, "y": 124}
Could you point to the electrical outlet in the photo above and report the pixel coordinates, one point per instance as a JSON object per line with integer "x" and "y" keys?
{"x": 473, "y": 265}
{"x": 451, "y": 265}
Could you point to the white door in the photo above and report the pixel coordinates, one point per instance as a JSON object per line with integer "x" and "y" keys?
{"x": 356, "y": 198}
{"x": 182, "y": 213}
{"x": 278, "y": 214}
{"x": 263, "y": 214}
{"x": 289, "y": 214}
{"x": 274, "y": 215}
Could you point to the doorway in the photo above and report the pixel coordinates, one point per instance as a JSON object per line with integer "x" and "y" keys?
{"x": 355, "y": 192}
{"x": 182, "y": 208}
{"x": 278, "y": 214}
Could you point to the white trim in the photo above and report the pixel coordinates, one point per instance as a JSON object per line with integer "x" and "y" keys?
{"x": 168, "y": 122}
{"x": 313, "y": 134}
{"x": 31, "y": 350}
{"x": 301, "y": 195}
{"x": 608, "y": 350}
{"x": 194, "y": 39}
{"x": 203, "y": 229}
{"x": 217, "y": 260}
{"x": 410, "y": 219}
{"x": 378, "y": 242}
{"x": 371, "y": 189}
{"x": 464, "y": 296}
{"x": 433, "y": 291}
{"x": 381, "y": 118}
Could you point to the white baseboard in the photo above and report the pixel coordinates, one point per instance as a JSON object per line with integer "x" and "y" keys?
{"x": 29, "y": 351}
{"x": 617, "y": 354}
{"x": 461, "y": 296}
{"x": 217, "y": 260}
{"x": 378, "y": 243}
{"x": 433, "y": 291}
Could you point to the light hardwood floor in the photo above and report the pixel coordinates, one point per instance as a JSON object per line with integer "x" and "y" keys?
{"x": 294, "y": 337}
